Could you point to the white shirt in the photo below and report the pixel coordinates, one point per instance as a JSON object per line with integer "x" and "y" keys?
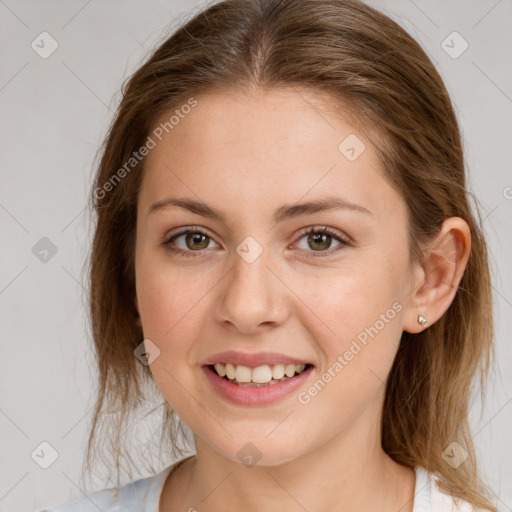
{"x": 144, "y": 496}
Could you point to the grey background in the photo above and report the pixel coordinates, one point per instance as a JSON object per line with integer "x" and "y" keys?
{"x": 55, "y": 112}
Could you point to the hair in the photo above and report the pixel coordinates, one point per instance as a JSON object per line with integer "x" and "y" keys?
{"x": 359, "y": 58}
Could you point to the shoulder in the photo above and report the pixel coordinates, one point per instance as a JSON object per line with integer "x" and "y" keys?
{"x": 443, "y": 501}
{"x": 428, "y": 496}
{"x": 141, "y": 494}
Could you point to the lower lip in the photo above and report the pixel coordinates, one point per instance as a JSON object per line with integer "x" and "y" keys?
{"x": 252, "y": 395}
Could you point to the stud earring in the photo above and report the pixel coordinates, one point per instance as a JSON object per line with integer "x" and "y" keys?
{"x": 422, "y": 320}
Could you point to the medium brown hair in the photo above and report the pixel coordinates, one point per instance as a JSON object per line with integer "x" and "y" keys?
{"x": 358, "y": 57}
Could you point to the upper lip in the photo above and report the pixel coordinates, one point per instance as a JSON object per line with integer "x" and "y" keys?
{"x": 252, "y": 358}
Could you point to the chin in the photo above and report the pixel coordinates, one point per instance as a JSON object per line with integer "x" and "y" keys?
{"x": 259, "y": 452}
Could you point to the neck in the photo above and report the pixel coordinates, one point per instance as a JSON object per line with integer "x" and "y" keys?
{"x": 349, "y": 472}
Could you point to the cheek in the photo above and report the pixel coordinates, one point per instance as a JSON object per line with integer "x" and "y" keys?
{"x": 173, "y": 303}
{"x": 169, "y": 305}
{"x": 168, "y": 295}
{"x": 358, "y": 332}
{"x": 355, "y": 314}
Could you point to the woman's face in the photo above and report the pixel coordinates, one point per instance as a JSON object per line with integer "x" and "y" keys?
{"x": 256, "y": 279}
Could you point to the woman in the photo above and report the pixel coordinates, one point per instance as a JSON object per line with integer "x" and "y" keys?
{"x": 285, "y": 247}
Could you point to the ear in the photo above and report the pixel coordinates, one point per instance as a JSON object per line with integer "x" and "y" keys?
{"x": 138, "y": 321}
{"x": 437, "y": 278}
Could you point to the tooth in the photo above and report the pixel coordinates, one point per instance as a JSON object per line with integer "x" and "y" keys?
{"x": 290, "y": 370}
{"x": 278, "y": 371}
{"x": 243, "y": 374}
{"x": 230, "y": 371}
{"x": 219, "y": 368}
{"x": 262, "y": 374}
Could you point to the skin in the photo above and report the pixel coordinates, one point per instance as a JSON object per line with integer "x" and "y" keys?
{"x": 245, "y": 155}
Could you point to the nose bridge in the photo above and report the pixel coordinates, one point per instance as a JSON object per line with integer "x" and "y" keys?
{"x": 251, "y": 295}
{"x": 250, "y": 273}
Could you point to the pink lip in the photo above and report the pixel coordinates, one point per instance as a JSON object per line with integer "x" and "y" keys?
{"x": 244, "y": 395}
{"x": 252, "y": 359}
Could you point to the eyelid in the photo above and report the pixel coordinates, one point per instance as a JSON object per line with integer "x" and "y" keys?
{"x": 319, "y": 228}
{"x": 183, "y": 230}
{"x": 344, "y": 240}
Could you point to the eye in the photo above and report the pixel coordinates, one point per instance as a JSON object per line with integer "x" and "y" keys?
{"x": 195, "y": 240}
{"x": 320, "y": 240}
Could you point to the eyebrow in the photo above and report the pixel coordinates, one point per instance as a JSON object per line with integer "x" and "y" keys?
{"x": 282, "y": 213}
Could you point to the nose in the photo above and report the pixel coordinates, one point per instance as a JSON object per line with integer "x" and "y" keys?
{"x": 253, "y": 297}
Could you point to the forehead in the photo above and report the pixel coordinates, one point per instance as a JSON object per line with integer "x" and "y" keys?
{"x": 280, "y": 120}
{"x": 257, "y": 148}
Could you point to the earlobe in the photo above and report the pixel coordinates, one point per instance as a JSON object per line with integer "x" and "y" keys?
{"x": 415, "y": 312}
{"x": 444, "y": 262}
{"x": 422, "y": 320}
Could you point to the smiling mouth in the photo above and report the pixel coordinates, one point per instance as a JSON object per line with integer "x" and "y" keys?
{"x": 259, "y": 376}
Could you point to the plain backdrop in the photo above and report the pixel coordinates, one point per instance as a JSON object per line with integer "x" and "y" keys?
{"x": 54, "y": 113}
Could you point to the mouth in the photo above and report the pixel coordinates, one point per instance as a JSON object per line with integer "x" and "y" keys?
{"x": 256, "y": 378}
{"x": 259, "y": 376}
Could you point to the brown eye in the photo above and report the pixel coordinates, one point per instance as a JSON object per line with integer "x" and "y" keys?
{"x": 319, "y": 240}
{"x": 194, "y": 242}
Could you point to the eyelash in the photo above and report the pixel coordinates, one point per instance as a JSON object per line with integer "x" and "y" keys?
{"x": 315, "y": 230}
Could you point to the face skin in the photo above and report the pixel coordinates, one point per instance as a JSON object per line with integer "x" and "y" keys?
{"x": 246, "y": 155}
